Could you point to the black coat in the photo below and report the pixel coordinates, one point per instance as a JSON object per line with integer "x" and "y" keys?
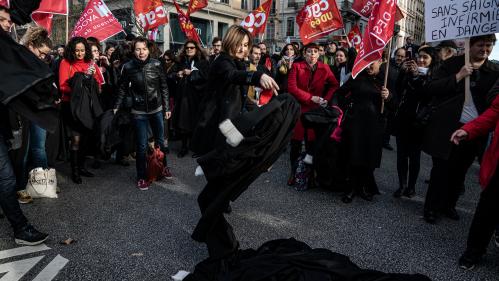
{"x": 189, "y": 95}
{"x": 225, "y": 94}
{"x": 363, "y": 124}
{"x": 449, "y": 100}
{"x": 146, "y": 83}
{"x": 85, "y": 104}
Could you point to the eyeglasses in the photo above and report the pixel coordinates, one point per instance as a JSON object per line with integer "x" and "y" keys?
{"x": 42, "y": 55}
{"x": 190, "y": 48}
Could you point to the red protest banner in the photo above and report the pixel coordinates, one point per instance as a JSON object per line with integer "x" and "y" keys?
{"x": 4, "y": 3}
{"x": 378, "y": 32}
{"x": 354, "y": 37}
{"x": 196, "y": 5}
{"x": 97, "y": 21}
{"x": 45, "y": 12}
{"x": 150, "y": 14}
{"x": 365, "y": 7}
{"x": 256, "y": 21}
{"x": 317, "y": 19}
{"x": 186, "y": 24}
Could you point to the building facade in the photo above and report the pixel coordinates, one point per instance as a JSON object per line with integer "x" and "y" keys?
{"x": 413, "y": 22}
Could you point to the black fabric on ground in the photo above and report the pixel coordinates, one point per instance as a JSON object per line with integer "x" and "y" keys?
{"x": 290, "y": 260}
{"x": 230, "y": 170}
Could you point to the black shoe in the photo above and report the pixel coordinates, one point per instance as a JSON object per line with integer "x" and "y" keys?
{"x": 366, "y": 196}
{"x": 388, "y": 146}
{"x": 183, "y": 152}
{"x": 195, "y": 155}
{"x": 29, "y": 236}
{"x": 348, "y": 197}
{"x": 451, "y": 214}
{"x": 75, "y": 171}
{"x": 86, "y": 173}
{"x": 468, "y": 262}
{"x": 398, "y": 192}
{"x": 228, "y": 210}
{"x": 409, "y": 192}
{"x": 430, "y": 217}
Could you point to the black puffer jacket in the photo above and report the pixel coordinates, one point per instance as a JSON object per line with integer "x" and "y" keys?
{"x": 146, "y": 82}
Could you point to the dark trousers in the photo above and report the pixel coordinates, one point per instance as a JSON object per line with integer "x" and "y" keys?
{"x": 408, "y": 160}
{"x": 486, "y": 219}
{"x": 220, "y": 240}
{"x": 8, "y": 198}
{"x": 447, "y": 176}
{"x": 142, "y": 122}
{"x": 362, "y": 180}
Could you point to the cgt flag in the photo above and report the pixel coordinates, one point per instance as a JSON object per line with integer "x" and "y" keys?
{"x": 378, "y": 32}
{"x": 317, "y": 19}
{"x": 97, "y": 21}
{"x": 44, "y": 14}
{"x": 355, "y": 37}
{"x": 256, "y": 21}
{"x": 150, "y": 14}
{"x": 186, "y": 24}
{"x": 365, "y": 7}
{"x": 196, "y": 5}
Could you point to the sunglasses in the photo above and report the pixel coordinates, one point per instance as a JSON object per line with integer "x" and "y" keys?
{"x": 190, "y": 48}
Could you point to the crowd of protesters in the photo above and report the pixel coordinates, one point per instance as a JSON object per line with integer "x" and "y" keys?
{"x": 185, "y": 94}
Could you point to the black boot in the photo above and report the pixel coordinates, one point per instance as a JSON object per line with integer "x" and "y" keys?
{"x": 81, "y": 167}
{"x": 75, "y": 171}
{"x": 348, "y": 197}
{"x": 398, "y": 193}
{"x": 410, "y": 191}
{"x": 362, "y": 193}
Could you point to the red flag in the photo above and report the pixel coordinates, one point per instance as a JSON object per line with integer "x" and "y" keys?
{"x": 354, "y": 37}
{"x": 365, "y": 7}
{"x": 196, "y": 5}
{"x": 256, "y": 21}
{"x": 317, "y": 19}
{"x": 45, "y": 12}
{"x": 378, "y": 32}
{"x": 5, "y": 3}
{"x": 97, "y": 21}
{"x": 186, "y": 24}
{"x": 150, "y": 14}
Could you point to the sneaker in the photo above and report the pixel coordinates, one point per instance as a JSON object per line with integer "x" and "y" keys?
{"x": 143, "y": 185}
{"x": 167, "y": 174}
{"x": 23, "y": 197}
{"x": 468, "y": 262}
{"x": 29, "y": 236}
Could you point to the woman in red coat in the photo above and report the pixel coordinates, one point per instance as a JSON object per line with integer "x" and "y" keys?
{"x": 312, "y": 83}
{"x": 487, "y": 212}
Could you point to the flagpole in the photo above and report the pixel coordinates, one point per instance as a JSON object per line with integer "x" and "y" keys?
{"x": 346, "y": 35}
{"x": 387, "y": 68}
{"x": 67, "y": 27}
{"x": 15, "y": 33}
{"x": 467, "y": 93}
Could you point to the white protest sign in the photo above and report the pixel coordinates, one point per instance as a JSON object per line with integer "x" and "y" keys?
{"x": 451, "y": 19}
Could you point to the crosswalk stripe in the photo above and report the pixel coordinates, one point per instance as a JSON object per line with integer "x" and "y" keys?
{"x": 22, "y": 251}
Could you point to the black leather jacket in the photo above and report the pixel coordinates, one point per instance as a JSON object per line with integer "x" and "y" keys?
{"x": 146, "y": 82}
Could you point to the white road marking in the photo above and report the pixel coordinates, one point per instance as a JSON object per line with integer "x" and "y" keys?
{"x": 52, "y": 269}
{"x": 177, "y": 187}
{"x": 22, "y": 251}
{"x": 15, "y": 270}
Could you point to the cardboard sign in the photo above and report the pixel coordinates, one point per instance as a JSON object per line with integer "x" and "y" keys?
{"x": 97, "y": 21}
{"x": 451, "y": 19}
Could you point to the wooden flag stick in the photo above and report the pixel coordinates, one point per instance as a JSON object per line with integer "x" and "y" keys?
{"x": 387, "y": 68}
{"x": 67, "y": 28}
{"x": 467, "y": 91}
{"x": 346, "y": 36}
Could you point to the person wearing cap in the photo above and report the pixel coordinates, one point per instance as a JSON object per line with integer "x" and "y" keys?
{"x": 312, "y": 83}
{"x": 447, "y": 49}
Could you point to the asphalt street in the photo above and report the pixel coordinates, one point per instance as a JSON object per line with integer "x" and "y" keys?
{"x": 123, "y": 233}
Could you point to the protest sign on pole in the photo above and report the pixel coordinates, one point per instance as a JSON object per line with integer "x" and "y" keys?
{"x": 97, "y": 21}
{"x": 451, "y": 19}
{"x": 256, "y": 21}
{"x": 317, "y": 19}
{"x": 150, "y": 14}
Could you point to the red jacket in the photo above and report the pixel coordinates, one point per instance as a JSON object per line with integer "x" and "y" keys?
{"x": 67, "y": 70}
{"x": 479, "y": 127}
{"x": 303, "y": 86}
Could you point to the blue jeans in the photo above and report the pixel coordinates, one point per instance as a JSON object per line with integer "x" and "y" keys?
{"x": 37, "y": 138}
{"x": 142, "y": 122}
{"x": 8, "y": 197}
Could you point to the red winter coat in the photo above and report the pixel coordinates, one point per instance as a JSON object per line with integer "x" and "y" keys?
{"x": 67, "y": 70}
{"x": 479, "y": 127}
{"x": 303, "y": 85}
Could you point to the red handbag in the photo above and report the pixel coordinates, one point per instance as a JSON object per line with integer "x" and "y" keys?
{"x": 155, "y": 164}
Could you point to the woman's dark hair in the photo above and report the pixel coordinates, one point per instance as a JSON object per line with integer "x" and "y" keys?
{"x": 487, "y": 38}
{"x": 170, "y": 55}
{"x": 284, "y": 49}
{"x": 140, "y": 39}
{"x": 200, "y": 54}
{"x": 122, "y": 53}
{"x": 110, "y": 45}
{"x": 70, "y": 50}
{"x": 435, "y": 58}
{"x": 344, "y": 51}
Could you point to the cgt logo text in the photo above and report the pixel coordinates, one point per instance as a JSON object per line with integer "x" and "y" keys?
{"x": 151, "y": 17}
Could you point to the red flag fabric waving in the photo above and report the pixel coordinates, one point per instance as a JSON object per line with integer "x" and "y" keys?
{"x": 354, "y": 37}
{"x": 186, "y": 24}
{"x": 5, "y": 3}
{"x": 256, "y": 21}
{"x": 196, "y": 5}
{"x": 377, "y": 34}
{"x": 365, "y": 7}
{"x": 97, "y": 21}
{"x": 317, "y": 19}
{"x": 150, "y": 13}
{"x": 45, "y": 12}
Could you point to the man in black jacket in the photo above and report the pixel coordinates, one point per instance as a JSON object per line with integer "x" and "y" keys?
{"x": 452, "y": 110}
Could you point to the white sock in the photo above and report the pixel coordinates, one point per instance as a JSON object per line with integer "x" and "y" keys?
{"x": 309, "y": 159}
{"x": 180, "y": 275}
{"x": 199, "y": 171}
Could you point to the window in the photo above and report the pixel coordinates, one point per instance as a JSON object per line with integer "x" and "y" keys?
{"x": 270, "y": 29}
{"x": 222, "y": 29}
{"x": 290, "y": 30}
{"x": 291, "y": 3}
{"x": 224, "y": 1}
{"x": 244, "y": 4}
{"x": 272, "y": 9}
{"x": 256, "y": 4}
